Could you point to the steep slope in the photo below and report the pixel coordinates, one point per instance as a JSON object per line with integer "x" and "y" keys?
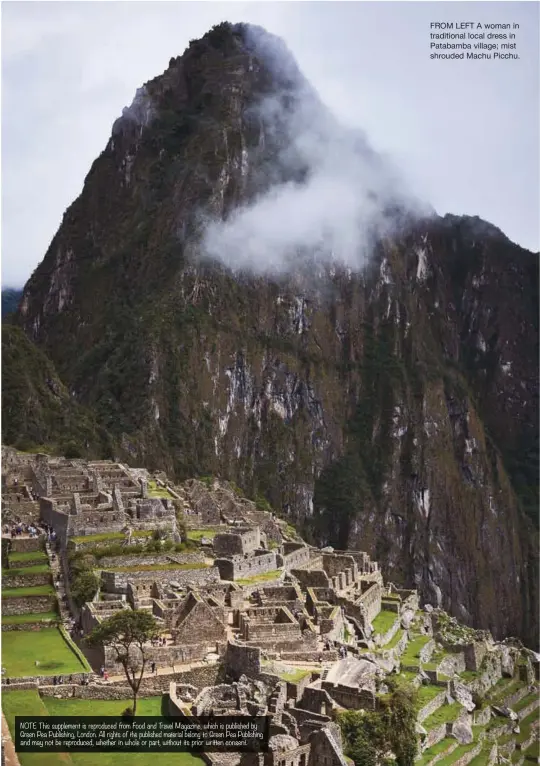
{"x": 395, "y": 406}
{"x": 36, "y": 408}
{"x": 10, "y": 300}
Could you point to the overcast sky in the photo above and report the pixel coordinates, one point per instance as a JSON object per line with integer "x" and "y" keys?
{"x": 465, "y": 133}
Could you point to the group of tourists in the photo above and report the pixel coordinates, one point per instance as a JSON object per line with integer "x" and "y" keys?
{"x": 19, "y": 529}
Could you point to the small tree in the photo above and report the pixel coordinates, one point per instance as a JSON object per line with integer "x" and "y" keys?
{"x": 127, "y": 631}
{"x": 181, "y": 526}
{"x": 84, "y": 587}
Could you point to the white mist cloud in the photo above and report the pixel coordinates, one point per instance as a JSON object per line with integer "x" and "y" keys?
{"x": 349, "y": 195}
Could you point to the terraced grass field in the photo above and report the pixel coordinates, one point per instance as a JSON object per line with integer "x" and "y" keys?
{"x": 20, "y": 619}
{"x": 22, "y": 648}
{"x": 384, "y": 621}
{"x": 29, "y": 703}
{"x": 35, "y": 590}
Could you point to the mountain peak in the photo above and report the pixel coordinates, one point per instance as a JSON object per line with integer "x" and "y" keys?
{"x": 396, "y": 406}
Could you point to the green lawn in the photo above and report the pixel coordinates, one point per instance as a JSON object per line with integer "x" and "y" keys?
{"x": 36, "y": 590}
{"x": 34, "y": 569}
{"x": 19, "y": 619}
{"x": 37, "y": 556}
{"x": 110, "y": 536}
{"x": 21, "y": 649}
{"x": 426, "y": 694}
{"x": 384, "y": 621}
{"x": 198, "y": 534}
{"x": 525, "y": 726}
{"x": 460, "y": 751}
{"x": 294, "y": 676}
{"x": 444, "y": 714}
{"x": 440, "y": 747}
{"x": 524, "y": 701}
{"x": 260, "y": 578}
{"x": 395, "y": 640}
{"x": 504, "y": 687}
{"x": 156, "y": 491}
{"x": 482, "y": 759}
{"x": 30, "y": 704}
{"x": 412, "y": 653}
{"x": 533, "y": 753}
{"x": 157, "y": 567}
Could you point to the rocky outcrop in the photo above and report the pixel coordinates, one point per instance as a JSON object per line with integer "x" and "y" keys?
{"x": 393, "y": 408}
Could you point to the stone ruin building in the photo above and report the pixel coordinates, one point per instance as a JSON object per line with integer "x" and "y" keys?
{"x": 254, "y": 621}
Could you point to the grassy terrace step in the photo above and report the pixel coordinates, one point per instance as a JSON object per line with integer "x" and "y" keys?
{"x": 37, "y": 556}
{"x": 456, "y": 754}
{"x": 427, "y": 693}
{"x": 35, "y": 569}
{"x": 154, "y": 490}
{"x": 110, "y": 536}
{"x": 445, "y": 746}
{"x": 411, "y": 655}
{"x": 36, "y": 590}
{"x": 501, "y": 691}
{"x": 467, "y": 676}
{"x": 22, "y": 648}
{"x": 533, "y": 753}
{"x": 526, "y": 725}
{"x": 445, "y": 714}
{"x": 21, "y": 619}
{"x": 435, "y": 661}
{"x": 294, "y": 676}
{"x": 261, "y": 578}
{"x": 524, "y": 701}
{"x": 198, "y": 534}
{"x": 157, "y": 567}
{"x": 384, "y": 621}
{"x": 29, "y": 703}
{"x": 395, "y": 640}
{"x": 482, "y": 759}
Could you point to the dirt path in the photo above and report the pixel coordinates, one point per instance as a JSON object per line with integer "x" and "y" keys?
{"x": 8, "y": 747}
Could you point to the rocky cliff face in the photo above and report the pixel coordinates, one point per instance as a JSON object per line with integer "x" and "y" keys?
{"x": 393, "y": 406}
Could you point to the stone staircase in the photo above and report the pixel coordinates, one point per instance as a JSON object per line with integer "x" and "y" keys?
{"x": 59, "y": 586}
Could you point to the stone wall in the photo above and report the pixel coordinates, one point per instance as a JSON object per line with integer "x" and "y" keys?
{"x": 26, "y": 581}
{"x": 238, "y": 568}
{"x": 27, "y": 544}
{"x": 434, "y": 735}
{"x": 116, "y": 582}
{"x": 166, "y": 656}
{"x": 46, "y": 681}
{"x": 28, "y": 604}
{"x": 371, "y": 600}
{"x": 242, "y": 540}
{"x": 142, "y": 559}
{"x": 454, "y": 663}
{"x": 325, "y": 750}
{"x": 311, "y": 578}
{"x": 296, "y": 690}
{"x": 334, "y": 564}
{"x": 240, "y": 659}
{"x": 310, "y": 656}
{"x": 351, "y": 697}
{"x": 55, "y": 518}
{"x": 474, "y": 654}
{"x": 431, "y": 706}
{"x": 30, "y": 625}
{"x": 295, "y": 558}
